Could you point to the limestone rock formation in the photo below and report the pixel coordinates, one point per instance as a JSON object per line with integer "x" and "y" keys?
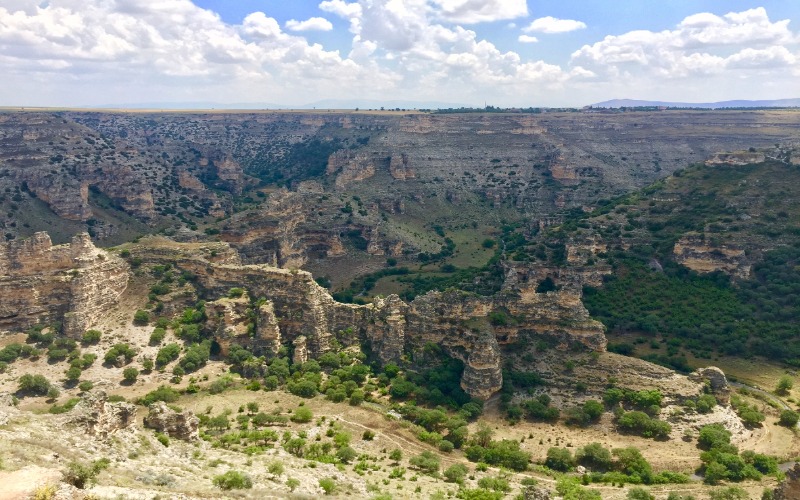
{"x": 99, "y": 417}
{"x": 400, "y": 168}
{"x": 180, "y": 425}
{"x": 74, "y": 283}
{"x": 352, "y": 167}
{"x": 717, "y": 383}
{"x": 302, "y": 315}
{"x": 701, "y": 254}
{"x": 737, "y": 158}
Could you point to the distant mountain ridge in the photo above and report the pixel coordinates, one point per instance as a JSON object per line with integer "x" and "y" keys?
{"x": 633, "y": 103}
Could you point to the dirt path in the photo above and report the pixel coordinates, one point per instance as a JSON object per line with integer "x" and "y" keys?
{"x": 20, "y": 484}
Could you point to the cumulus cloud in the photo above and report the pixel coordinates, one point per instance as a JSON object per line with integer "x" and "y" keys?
{"x": 701, "y": 44}
{"x": 78, "y": 51}
{"x": 553, "y": 25}
{"x": 312, "y": 24}
{"x": 479, "y": 11}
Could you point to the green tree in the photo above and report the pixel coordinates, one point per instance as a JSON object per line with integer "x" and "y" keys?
{"x": 328, "y": 485}
{"x": 789, "y": 418}
{"x": 130, "y": 374}
{"x": 456, "y": 473}
{"x": 302, "y": 415}
{"x": 785, "y": 384}
{"x": 559, "y": 459}
{"x": 34, "y": 384}
{"x": 141, "y": 318}
{"x": 233, "y": 480}
{"x": 426, "y": 461}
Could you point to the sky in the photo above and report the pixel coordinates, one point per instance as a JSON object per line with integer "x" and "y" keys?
{"x": 465, "y": 52}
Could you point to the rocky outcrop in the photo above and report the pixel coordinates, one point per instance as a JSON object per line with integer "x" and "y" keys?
{"x": 75, "y": 283}
{"x": 400, "y": 168}
{"x": 717, "y": 383}
{"x": 536, "y": 492}
{"x": 99, "y": 417}
{"x": 303, "y": 316}
{"x": 699, "y": 253}
{"x": 352, "y": 167}
{"x": 182, "y": 425}
{"x": 738, "y": 158}
{"x": 789, "y": 489}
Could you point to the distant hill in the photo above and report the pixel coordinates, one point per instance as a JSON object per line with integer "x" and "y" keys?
{"x": 632, "y": 103}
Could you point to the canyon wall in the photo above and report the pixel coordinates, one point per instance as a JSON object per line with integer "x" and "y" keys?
{"x": 74, "y": 283}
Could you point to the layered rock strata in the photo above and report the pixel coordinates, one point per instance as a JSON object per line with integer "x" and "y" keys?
{"x": 299, "y": 313}
{"x": 75, "y": 283}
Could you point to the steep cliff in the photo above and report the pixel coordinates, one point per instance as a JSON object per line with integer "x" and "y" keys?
{"x": 74, "y": 283}
{"x": 298, "y": 313}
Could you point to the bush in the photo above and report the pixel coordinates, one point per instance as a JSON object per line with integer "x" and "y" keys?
{"x": 130, "y": 374}
{"x": 789, "y": 418}
{"x": 118, "y": 351}
{"x": 594, "y": 456}
{"x": 141, "y": 318}
{"x": 328, "y": 485}
{"x": 456, "y": 473}
{"x": 167, "y": 354}
{"x": 82, "y": 475}
{"x": 86, "y": 385}
{"x": 559, "y": 459}
{"x": 495, "y": 484}
{"x": 426, "y": 461}
{"x": 233, "y": 480}
{"x": 235, "y": 293}
{"x": 34, "y": 384}
{"x": 302, "y": 415}
{"x": 196, "y": 357}
{"x": 639, "y": 494}
{"x": 785, "y": 384}
{"x": 91, "y": 336}
{"x": 73, "y": 374}
{"x": 163, "y": 393}
{"x": 157, "y": 336}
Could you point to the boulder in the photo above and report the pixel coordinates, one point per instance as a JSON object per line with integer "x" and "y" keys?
{"x": 180, "y": 425}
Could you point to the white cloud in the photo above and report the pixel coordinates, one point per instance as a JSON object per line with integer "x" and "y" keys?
{"x": 707, "y": 52}
{"x": 479, "y": 11}
{"x": 553, "y": 25}
{"x": 527, "y": 39}
{"x": 311, "y": 24}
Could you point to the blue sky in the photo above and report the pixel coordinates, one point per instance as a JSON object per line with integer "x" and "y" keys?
{"x": 505, "y": 52}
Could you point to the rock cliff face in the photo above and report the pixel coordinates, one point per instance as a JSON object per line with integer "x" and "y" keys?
{"x": 700, "y": 254}
{"x": 99, "y": 417}
{"x": 73, "y": 283}
{"x": 302, "y": 315}
{"x": 789, "y": 489}
{"x": 180, "y": 425}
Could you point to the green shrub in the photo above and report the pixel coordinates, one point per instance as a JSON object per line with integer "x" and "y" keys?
{"x": 426, "y": 462}
{"x": 163, "y": 393}
{"x": 37, "y": 385}
{"x": 328, "y": 485}
{"x": 639, "y": 494}
{"x": 559, "y": 459}
{"x": 233, "y": 480}
{"x": 789, "y": 418}
{"x": 130, "y": 374}
{"x": 302, "y": 415}
{"x": 82, "y": 475}
{"x": 141, "y": 318}
{"x": 91, "y": 336}
{"x": 495, "y": 484}
{"x": 85, "y": 385}
{"x": 456, "y": 473}
{"x": 157, "y": 336}
{"x": 167, "y": 354}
